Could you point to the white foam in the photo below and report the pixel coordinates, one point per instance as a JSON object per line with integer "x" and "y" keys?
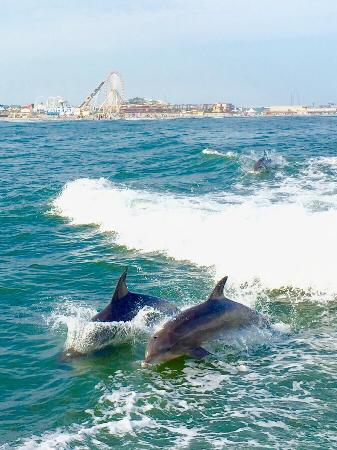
{"x": 212, "y": 151}
{"x": 58, "y": 440}
{"x": 284, "y": 243}
{"x": 203, "y": 381}
{"x": 121, "y": 414}
{"x": 325, "y": 160}
{"x": 84, "y": 336}
{"x": 242, "y": 368}
{"x": 282, "y": 328}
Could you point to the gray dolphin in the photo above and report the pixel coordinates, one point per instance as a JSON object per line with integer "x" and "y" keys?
{"x": 186, "y": 333}
{"x": 125, "y": 305}
{"x": 263, "y": 163}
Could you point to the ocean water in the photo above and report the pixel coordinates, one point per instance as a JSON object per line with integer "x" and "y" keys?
{"x": 177, "y": 202}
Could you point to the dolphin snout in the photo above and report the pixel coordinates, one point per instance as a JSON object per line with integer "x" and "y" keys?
{"x": 144, "y": 364}
{"x": 148, "y": 359}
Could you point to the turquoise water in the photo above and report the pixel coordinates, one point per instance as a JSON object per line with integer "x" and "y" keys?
{"x": 177, "y": 202}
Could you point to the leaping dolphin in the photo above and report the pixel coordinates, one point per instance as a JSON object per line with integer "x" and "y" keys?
{"x": 125, "y": 305}
{"x": 263, "y": 163}
{"x": 189, "y": 330}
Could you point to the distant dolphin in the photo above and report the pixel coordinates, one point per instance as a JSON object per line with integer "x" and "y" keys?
{"x": 263, "y": 163}
{"x": 125, "y": 305}
{"x": 189, "y": 330}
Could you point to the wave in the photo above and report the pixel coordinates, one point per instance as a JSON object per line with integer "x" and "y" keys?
{"x": 212, "y": 151}
{"x": 279, "y": 244}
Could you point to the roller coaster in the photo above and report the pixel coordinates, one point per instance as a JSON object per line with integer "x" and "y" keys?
{"x": 106, "y": 99}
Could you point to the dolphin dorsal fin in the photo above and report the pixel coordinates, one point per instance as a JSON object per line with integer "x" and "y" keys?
{"x": 218, "y": 290}
{"x": 121, "y": 289}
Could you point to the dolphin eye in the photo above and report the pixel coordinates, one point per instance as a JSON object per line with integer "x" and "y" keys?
{"x": 155, "y": 337}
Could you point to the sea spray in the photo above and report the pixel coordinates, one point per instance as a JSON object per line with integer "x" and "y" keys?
{"x": 84, "y": 336}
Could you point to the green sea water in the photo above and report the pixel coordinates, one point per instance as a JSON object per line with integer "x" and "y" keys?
{"x": 177, "y": 202}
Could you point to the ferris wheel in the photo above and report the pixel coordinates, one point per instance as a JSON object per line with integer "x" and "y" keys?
{"x": 107, "y": 97}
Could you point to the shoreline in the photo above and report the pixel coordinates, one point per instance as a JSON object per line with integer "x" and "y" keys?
{"x": 155, "y": 117}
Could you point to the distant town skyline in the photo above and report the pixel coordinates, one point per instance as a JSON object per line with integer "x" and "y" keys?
{"x": 193, "y": 51}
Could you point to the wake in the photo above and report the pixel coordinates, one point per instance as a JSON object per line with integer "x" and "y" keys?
{"x": 283, "y": 243}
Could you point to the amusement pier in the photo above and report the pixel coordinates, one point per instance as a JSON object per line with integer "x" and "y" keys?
{"x": 107, "y": 101}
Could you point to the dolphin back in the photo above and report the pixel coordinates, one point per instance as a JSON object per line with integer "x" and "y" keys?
{"x": 125, "y": 305}
{"x": 219, "y": 288}
{"x": 262, "y": 163}
{"x": 189, "y": 330}
{"x": 121, "y": 291}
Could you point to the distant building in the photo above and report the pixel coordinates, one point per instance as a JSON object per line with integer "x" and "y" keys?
{"x": 27, "y": 109}
{"x": 53, "y": 106}
{"x": 287, "y": 109}
{"x": 4, "y": 111}
{"x": 330, "y": 109}
{"x": 251, "y": 112}
{"x": 144, "y": 101}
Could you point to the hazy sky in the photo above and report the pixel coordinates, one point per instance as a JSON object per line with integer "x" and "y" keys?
{"x": 249, "y": 52}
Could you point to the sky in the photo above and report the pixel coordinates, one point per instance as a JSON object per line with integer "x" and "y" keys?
{"x": 247, "y": 52}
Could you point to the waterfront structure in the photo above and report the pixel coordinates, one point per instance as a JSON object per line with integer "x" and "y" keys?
{"x": 52, "y": 106}
{"x": 329, "y": 109}
{"x": 27, "y": 110}
{"x": 286, "y": 109}
{"x": 290, "y": 110}
{"x": 106, "y": 99}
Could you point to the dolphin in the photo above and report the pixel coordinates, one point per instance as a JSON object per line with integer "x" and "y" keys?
{"x": 263, "y": 163}
{"x": 189, "y": 330}
{"x": 125, "y": 305}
